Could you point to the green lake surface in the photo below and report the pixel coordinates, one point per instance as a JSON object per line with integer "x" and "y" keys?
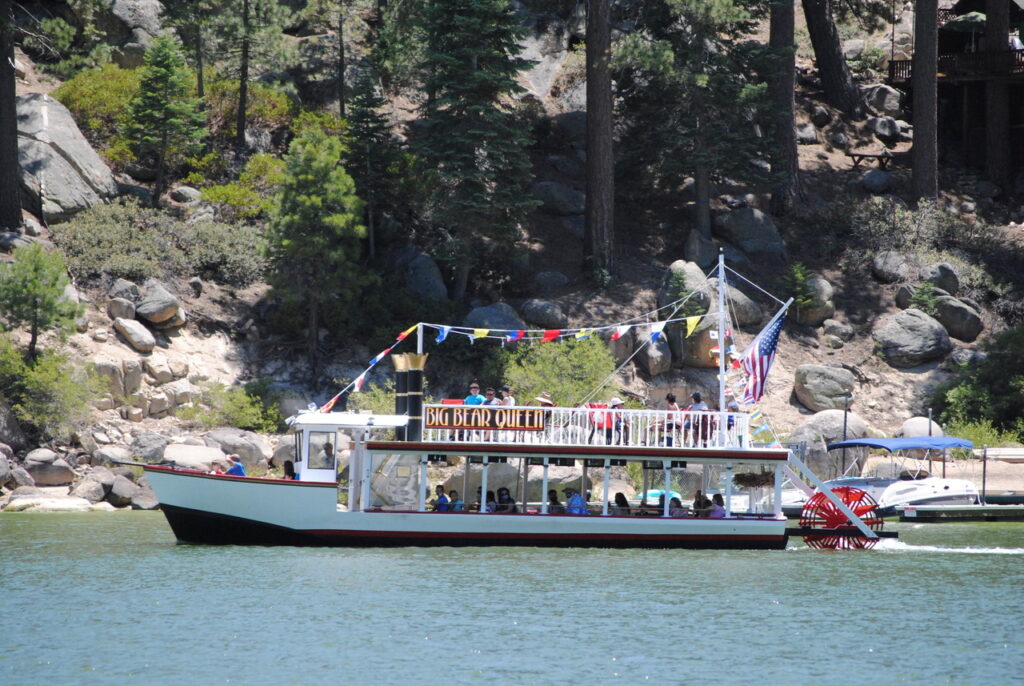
{"x": 112, "y": 598}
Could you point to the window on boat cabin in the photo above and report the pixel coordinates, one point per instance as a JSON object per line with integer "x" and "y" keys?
{"x": 323, "y": 450}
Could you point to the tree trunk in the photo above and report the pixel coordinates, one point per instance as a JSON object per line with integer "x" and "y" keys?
{"x": 461, "y": 280}
{"x": 702, "y": 194}
{"x": 836, "y": 80}
{"x": 997, "y": 105}
{"x": 340, "y": 82}
{"x": 161, "y": 169}
{"x": 599, "y": 232}
{"x": 200, "y": 82}
{"x": 243, "y": 81}
{"x": 925, "y": 153}
{"x": 782, "y": 86}
{"x": 10, "y": 172}
{"x": 313, "y": 337}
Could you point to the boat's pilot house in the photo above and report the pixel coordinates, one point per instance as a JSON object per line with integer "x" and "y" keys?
{"x": 317, "y": 440}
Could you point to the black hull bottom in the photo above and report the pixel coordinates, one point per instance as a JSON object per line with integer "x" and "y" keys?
{"x": 196, "y": 526}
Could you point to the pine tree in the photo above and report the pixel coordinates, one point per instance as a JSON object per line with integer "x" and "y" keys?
{"x": 374, "y": 151}
{"x": 599, "y": 231}
{"x": 315, "y": 236}
{"x": 195, "y": 21}
{"x": 925, "y": 153}
{"x": 471, "y": 142}
{"x": 782, "y": 87}
{"x": 31, "y": 294}
{"x": 691, "y": 98}
{"x": 253, "y": 35}
{"x": 163, "y": 121}
{"x": 836, "y": 79}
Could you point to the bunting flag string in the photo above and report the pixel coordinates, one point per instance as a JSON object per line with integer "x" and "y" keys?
{"x": 442, "y": 333}
{"x": 401, "y": 336}
{"x": 550, "y": 335}
{"x": 656, "y": 329}
{"x": 514, "y": 335}
{"x": 691, "y": 324}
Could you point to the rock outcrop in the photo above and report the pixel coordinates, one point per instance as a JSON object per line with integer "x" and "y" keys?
{"x": 822, "y": 388}
{"x": 61, "y": 174}
{"x": 910, "y": 338}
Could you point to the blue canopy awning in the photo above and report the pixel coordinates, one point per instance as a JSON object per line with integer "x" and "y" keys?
{"x": 913, "y": 443}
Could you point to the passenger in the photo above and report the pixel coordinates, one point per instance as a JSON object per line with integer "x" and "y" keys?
{"x": 324, "y": 459}
{"x": 440, "y": 503}
{"x": 701, "y": 505}
{"x": 289, "y": 471}
{"x": 617, "y": 430}
{"x": 676, "y": 509}
{"x": 621, "y": 506}
{"x": 455, "y": 503}
{"x": 492, "y": 504}
{"x": 506, "y": 396}
{"x": 474, "y": 397}
{"x": 672, "y": 407}
{"x": 506, "y": 503}
{"x": 236, "y": 468}
{"x": 555, "y": 506}
{"x": 476, "y": 503}
{"x": 717, "y": 507}
{"x": 489, "y": 397}
{"x": 544, "y": 400}
{"x": 575, "y": 505}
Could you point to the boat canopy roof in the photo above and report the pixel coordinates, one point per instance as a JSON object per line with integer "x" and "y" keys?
{"x": 347, "y": 420}
{"x": 910, "y": 443}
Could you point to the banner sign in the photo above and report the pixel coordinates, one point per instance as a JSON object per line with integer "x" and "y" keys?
{"x": 486, "y": 418}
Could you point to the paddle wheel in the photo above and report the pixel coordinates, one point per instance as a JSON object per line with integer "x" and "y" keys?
{"x": 822, "y": 513}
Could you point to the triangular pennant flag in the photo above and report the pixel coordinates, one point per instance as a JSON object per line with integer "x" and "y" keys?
{"x": 756, "y": 414}
{"x": 656, "y": 329}
{"x": 480, "y": 333}
{"x": 691, "y": 324}
{"x": 330, "y": 403}
{"x": 728, "y": 333}
{"x": 583, "y": 333}
{"x": 401, "y": 336}
{"x": 380, "y": 356}
{"x": 360, "y": 380}
{"x": 776, "y": 444}
{"x": 442, "y": 333}
{"x": 714, "y": 351}
{"x": 759, "y": 429}
{"x": 550, "y": 335}
{"x": 713, "y": 335}
{"x": 736, "y": 364}
{"x": 514, "y": 336}
{"x": 621, "y": 331}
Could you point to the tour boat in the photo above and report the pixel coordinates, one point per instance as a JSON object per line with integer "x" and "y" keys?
{"x": 380, "y": 497}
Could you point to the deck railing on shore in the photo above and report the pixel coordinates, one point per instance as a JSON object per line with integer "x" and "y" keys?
{"x": 977, "y": 65}
{"x": 581, "y": 426}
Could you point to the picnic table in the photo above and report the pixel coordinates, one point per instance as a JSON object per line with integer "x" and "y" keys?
{"x": 882, "y": 158}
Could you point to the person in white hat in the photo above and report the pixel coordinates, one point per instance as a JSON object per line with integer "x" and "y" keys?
{"x": 617, "y": 429}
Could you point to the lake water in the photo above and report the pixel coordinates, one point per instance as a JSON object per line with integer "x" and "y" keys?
{"x": 111, "y": 598}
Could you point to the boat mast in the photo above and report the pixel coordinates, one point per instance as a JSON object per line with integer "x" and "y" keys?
{"x": 722, "y": 313}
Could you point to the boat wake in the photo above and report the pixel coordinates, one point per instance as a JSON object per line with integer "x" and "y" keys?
{"x": 889, "y": 545}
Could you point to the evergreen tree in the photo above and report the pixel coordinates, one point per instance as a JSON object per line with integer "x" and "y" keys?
{"x": 399, "y": 42}
{"x": 163, "y": 121}
{"x": 374, "y": 151}
{"x": 782, "y": 88}
{"x": 315, "y": 236}
{"x": 195, "y": 22}
{"x": 253, "y": 35}
{"x": 341, "y": 19}
{"x": 31, "y": 294}
{"x": 836, "y": 79}
{"x": 471, "y": 142}
{"x": 599, "y": 231}
{"x": 925, "y": 153}
{"x": 690, "y": 100}
{"x": 10, "y": 172}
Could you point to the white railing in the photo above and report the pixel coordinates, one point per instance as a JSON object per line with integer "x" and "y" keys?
{"x": 580, "y": 426}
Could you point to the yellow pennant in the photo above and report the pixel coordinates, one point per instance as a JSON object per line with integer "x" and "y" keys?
{"x": 691, "y": 324}
{"x": 480, "y": 333}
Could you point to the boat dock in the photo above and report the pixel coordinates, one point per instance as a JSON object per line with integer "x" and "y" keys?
{"x": 963, "y": 513}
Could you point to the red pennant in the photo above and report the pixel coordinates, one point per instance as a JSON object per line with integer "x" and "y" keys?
{"x": 550, "y": 335}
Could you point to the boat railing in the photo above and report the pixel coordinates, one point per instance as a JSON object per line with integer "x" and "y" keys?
{"x": 582, "y": 426}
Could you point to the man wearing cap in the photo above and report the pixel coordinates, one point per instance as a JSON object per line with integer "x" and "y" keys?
{"x": 574, "y": 503}
{"x": 236, "y": 468}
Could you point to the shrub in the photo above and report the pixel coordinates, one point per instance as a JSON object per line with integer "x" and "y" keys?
{"x": 98, "y": 100}
{"x": 267, "y": 108}
{"x": 795, "y": 282}
{"x": 991, "y": 390}
{"x": 569, "y": 370}
{"x": 31, "y": 294}
{"x": 254, "y": 194}
{"x": 50, "y": 398}
{"x": 221, "y": 405}
{"x": 982, "y": 433}
{"x": 131, "y": 242}
{"x": 925, "y": 299}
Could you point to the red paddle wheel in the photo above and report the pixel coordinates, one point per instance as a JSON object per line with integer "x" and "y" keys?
{"x": 822, "y": 513}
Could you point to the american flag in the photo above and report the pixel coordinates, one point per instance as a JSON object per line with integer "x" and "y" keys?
{"x": 758, "y": 360}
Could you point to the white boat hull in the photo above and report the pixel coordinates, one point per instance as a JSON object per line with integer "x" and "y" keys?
{"x": 206, "y": 508}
